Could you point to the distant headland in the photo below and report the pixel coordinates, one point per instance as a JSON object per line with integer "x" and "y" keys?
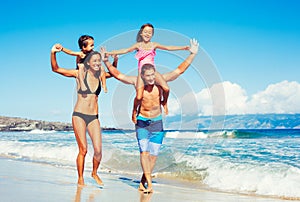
{"x": 23, "y": 124}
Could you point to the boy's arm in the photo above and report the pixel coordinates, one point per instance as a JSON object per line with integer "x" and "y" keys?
{"x": 70, "y": 52}
{"x": 55, "y": 68}
{"x": 170, "y": 48}
{"x": 103, "y": 79}
{"x": 123, "y": 51}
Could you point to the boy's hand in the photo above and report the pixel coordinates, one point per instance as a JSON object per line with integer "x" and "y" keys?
{"x": 56, "y": 48}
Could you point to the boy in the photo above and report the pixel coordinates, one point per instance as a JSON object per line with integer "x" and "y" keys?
{"x": 86, "y": 45}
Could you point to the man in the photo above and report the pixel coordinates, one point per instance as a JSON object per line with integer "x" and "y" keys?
{"x": 149, "y": 126}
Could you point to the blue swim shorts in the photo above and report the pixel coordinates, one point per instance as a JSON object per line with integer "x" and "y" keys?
{"x": 149, "y": 134}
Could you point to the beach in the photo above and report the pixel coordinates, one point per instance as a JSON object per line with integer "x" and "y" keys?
{"x": 251, "y": 165}
{"x": 30, "y": 181}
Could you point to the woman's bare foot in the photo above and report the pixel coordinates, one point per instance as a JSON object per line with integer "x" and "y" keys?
{"x": 148, "y": 190}
{"x": 141, "y": 187}
{"x": 97, "y": 178}
{"x": 80, "y": 182}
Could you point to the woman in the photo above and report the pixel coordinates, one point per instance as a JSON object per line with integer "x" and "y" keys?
{"x": 85, "y": 115}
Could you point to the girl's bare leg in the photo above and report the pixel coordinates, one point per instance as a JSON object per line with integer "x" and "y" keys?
{"x": 138, "y": 98}
{"x": 166, "y": 90}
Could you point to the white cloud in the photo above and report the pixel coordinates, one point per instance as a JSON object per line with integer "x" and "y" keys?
{"x": 231, "y": 98}
{"x": 283, "y": 97}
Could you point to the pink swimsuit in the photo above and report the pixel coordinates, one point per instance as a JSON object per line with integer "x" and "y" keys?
{"x": 145, "y": 57}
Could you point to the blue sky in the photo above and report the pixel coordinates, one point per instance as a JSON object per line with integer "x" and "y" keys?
{"x": 255, "y": 46}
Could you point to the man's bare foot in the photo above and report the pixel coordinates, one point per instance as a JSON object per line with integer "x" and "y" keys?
{"x": 97, "y": 178}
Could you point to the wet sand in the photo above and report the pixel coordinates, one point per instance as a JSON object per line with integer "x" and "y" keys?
{"x": 29, "y": 181}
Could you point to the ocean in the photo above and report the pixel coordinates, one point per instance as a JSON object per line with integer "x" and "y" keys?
{"x": 263, "y": 162}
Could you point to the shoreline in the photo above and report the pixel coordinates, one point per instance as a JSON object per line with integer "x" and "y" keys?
{"x": 36, "y": 181}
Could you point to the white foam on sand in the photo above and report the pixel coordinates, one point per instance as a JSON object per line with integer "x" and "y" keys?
{"x": 28, "y": 181}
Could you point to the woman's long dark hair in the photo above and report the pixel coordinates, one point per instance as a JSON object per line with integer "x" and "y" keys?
{"x": 87, "y": 59}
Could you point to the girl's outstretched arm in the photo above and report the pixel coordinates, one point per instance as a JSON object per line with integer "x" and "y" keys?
{"x": 170, "y": 48}
{"x": 114, "y": 71}
{"x": 124, "y": 50}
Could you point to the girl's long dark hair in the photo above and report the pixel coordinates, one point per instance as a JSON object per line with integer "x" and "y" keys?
{"x": 138, "y": 36}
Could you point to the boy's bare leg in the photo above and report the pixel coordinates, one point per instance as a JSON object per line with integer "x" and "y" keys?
{"x": 139, "y": 88}
{"x": 103, "y": 79}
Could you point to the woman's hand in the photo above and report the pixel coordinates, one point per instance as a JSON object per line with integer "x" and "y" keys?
{"x": 56, "y": 48}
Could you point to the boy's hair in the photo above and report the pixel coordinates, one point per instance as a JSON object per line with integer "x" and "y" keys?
{"x": 138, "y": 36}
{"x": 146, "y": 67}
{"x": 82, "y": 41}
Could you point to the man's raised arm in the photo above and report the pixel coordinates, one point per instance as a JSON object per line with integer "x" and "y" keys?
{"x": 170, "y": 76}
{"x": 114, "y": 71}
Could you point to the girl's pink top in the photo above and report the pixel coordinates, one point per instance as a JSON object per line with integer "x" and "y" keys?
{"x": 145, "y": 57}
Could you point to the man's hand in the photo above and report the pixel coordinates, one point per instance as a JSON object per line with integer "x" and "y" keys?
{"x": 194, "y": 46}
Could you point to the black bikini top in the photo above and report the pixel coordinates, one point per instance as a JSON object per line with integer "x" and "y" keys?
{"x": 88, "y": 90}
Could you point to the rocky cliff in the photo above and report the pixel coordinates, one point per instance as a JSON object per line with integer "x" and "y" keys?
{"x": 22, "y": 124}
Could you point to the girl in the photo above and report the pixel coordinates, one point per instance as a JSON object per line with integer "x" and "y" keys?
{"x": 145, "y": 54}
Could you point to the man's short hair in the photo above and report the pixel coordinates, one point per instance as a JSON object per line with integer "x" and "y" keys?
{"x": 146, "y": 67}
